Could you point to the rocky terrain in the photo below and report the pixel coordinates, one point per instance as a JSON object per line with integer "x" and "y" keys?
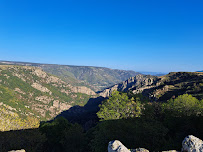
{"x": 29, "y": 95}
{"x": 162, "y": 88}
{"x": 138, "y": 83}
{"x": 189, "y": 144}
{"x": 96, "y": 78}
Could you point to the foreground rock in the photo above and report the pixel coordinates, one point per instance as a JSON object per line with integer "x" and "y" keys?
{"x": 192, "y": 144}
{"x": 22, "y": 150}
{"x": 117, "y": 146}
{"x": 189, "y": 144}
{"x": 139, "y": 150}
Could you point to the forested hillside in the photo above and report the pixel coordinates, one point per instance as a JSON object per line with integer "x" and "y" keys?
{"x": 29, "y": 95}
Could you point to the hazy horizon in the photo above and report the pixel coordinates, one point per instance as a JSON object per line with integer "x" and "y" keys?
{"x": 159, "y": 36}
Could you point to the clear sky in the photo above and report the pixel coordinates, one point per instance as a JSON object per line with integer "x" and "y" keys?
{"x": 140, "y": 35}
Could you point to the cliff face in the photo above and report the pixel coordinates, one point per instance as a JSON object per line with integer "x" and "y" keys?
{"x": 30, "y": 93}
{"x": 162, "y": 88}
{"x": 137, "y": 84}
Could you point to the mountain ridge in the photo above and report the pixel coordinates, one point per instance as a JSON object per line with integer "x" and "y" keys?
{"x": 161, "y": 88}
{"x": 96, "y": 78}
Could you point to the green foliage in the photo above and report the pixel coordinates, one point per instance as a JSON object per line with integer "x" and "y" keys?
{"x": 138, "y": 97}
{"x": 119, "y": 106}
{"x": 19, "y": 97}
{"x": 63, "y": 136}
{"x": 31, "y": 140}
{"x": 132, "y": 133}
{"x": 184, "y": 105}
{"x": 96, "y": 78}
{"x": 160, "y": 127}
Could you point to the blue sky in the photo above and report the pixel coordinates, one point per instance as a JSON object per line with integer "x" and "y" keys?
{"x": 140, "y": 35}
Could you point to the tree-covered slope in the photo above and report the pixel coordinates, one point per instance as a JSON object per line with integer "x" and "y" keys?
{"x": 97, "y": 78}
{"x": 28, "y": 95}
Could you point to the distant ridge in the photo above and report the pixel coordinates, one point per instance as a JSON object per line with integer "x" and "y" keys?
{"x": 96, "y": 78}
{"x": 154, "y": 73}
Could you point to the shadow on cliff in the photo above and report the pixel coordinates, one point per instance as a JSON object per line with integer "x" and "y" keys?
{"x": 84, "y": 115}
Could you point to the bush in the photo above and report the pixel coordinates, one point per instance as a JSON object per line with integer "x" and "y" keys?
{"x": 119, "y": 106}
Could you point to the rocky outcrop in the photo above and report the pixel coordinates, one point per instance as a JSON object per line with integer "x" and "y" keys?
{"x": 40, "y": 88}
{"x": 82, "y": 89}
{"x": 117, "y": 146}
{"x": 161, "y": 88}
{"x": 137, "y": 84}
{"x": 189, "y": 144}
{"x": 192, "y": 144}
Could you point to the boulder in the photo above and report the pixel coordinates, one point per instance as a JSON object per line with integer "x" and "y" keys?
{"x": 192, "y": 144}
{"x": 117, "y": 146}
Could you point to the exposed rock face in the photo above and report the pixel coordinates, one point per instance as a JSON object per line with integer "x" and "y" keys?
{"x": 117, "y": 146}
{"x": 82, "y": 89}
{"x": 137, "y": 83}
{"x": 36, "y": 95}
{"x": 162, "y": 88}
{"x": 192, "y": 144}
{"x": 19, "y": 91}
{"x": 40, "y": 87}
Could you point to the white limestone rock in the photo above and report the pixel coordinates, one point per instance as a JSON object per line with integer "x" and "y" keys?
{"x": 139, "y": 150}
{"x": 192, "y": 144}
{"x": 22, "y": 150}
{"x": 117, "y": 146}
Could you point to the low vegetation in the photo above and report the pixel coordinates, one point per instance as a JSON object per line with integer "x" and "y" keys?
{"x": 153, "y": 125}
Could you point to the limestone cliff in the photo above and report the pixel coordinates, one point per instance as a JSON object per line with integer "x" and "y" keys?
{"x": 162, "y": 88}
{"x": 137, "y": 84}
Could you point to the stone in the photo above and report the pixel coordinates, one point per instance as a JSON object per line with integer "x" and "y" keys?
{"x": 192, "y": 144}
{"x": 117, "y": 146}
{"x": 22, "y": 150}
{"x": 170, "y": 151}
{"x": 141, "y": 150}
